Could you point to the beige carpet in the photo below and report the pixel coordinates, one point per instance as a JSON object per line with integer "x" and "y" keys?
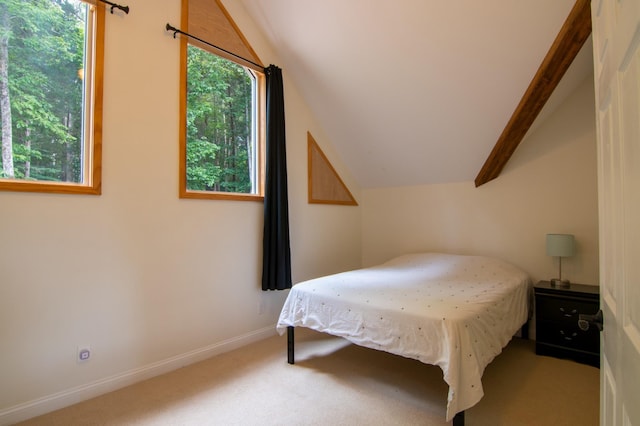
{"x": 335, "y": 383}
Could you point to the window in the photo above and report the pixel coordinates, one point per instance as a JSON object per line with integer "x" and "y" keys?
{"x": 221, "y": 140}
{"x": 50, "y": 95}
{"x": 221, "y": 135}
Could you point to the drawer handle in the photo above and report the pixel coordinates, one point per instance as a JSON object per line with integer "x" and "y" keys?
{"x": 574, "y": 334}
{"x": 573, "y": 312}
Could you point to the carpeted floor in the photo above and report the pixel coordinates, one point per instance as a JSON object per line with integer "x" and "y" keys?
{"x": 336, "y": 383}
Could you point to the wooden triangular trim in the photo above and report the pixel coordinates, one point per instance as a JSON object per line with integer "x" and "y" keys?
{"x": 325, "y": 185}
{"x": 209, "y": 21}
{"x": 565, "y": 48}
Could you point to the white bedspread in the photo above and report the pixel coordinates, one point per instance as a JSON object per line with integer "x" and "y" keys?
{"x": 457, "y": 312}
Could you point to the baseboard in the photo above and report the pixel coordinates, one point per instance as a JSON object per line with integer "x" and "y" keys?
{"x": 81, "y": 393}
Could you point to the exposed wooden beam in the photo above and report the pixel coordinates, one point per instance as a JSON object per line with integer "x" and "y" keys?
{"x": 570, "y": 39}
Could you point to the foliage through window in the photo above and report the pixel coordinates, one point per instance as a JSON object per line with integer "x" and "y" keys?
{"x": 50, "y": 80}
{"x": 222, "y": 135}
{"x": 221, "y": 117}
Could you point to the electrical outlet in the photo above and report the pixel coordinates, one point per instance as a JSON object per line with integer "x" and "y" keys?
{"x": 84, "y": 353}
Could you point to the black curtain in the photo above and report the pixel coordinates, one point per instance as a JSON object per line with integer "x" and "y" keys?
{"x": 276, "y": 255}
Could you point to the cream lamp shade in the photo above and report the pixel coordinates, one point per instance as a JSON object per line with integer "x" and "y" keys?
{"x": 560, "y": 245}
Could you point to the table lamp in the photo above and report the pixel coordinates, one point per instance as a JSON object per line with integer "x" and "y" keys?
{"x": 560, "y": 245}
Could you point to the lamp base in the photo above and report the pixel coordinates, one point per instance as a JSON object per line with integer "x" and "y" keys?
{"x": 557, "y": 282}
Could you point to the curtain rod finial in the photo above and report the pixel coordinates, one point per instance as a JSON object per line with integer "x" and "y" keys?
{"x": 125, "y": 9}
{"x": 170, "y": 27}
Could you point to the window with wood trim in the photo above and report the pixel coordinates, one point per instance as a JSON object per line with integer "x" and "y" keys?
{"x": 51, "y": 67}
{"x": 222, "y": 108}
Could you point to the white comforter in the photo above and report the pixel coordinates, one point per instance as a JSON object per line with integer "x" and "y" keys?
{"x": 457, "y": 312}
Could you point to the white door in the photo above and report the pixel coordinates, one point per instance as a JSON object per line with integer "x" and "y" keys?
{"x": 616, "y": 43}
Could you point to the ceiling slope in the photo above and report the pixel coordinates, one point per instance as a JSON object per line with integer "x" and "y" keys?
{"x": 572, "y": 36}
{"x": 412, "y": 92}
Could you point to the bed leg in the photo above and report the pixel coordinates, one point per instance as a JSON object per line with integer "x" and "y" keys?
{"x": 458, "y": 419}
{"x": 524, "y": 331}
{"x": 290, "y": 348}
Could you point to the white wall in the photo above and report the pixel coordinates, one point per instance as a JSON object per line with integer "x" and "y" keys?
{"x": 149, "y": 281}
{"x": 548, "y": 186}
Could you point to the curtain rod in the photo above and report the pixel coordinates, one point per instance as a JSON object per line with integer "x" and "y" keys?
{"x": 169, "y": 27}
{"x": 125, "y": 9}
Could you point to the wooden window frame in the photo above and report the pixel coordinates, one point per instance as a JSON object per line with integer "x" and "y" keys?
{"x": 92, "y": 136}
{"x": 260, "y": 125}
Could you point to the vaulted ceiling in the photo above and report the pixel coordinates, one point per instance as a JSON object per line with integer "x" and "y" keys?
{"x": 416, "y": 92}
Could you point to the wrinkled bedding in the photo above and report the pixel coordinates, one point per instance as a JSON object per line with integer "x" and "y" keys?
{"x": 456, "y": 312}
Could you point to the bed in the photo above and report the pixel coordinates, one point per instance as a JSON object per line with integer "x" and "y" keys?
{"x": 454, "y": 311}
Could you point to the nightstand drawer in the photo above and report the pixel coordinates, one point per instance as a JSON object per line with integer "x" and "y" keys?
{"x": 557, "y": 310}
{"x": 568, "y": 335}
{"x": 564, "y": 310}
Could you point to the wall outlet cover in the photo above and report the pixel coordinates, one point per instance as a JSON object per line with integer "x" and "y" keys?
{"x": 84, "y": 353}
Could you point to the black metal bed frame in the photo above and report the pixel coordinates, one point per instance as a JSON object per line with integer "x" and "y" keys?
{"x": 458, "y": 419}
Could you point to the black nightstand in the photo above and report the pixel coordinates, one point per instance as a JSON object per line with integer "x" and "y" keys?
{"x": 557, "y": 331}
